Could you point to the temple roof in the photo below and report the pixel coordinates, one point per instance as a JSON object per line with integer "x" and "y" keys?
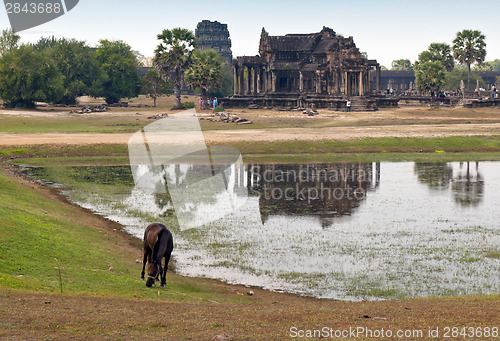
{"x": 291, "y": 43}
{"x": 317, "y": 42}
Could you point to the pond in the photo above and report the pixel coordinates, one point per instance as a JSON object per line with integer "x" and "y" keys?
{"x": 349, "y": 231}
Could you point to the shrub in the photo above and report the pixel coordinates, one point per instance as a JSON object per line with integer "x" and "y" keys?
{"x": 185, "y": 105}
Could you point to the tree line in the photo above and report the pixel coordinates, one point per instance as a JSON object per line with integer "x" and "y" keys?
{"x": 438, "y": 66}
{"x": 60, "y": 70}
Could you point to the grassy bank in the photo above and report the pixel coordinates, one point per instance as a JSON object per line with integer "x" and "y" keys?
{"x": 50, "y": 246}
{"x": 364, "y": 150}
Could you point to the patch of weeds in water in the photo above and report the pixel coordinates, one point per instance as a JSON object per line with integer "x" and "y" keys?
{"x": 3, "y": 152}
{"x": 291, "y": 276}
{"x": 402, "y": 233}
{"x": 363, "y": 286}
{"x": 311, "y": 280}
{"x": 18, "y": 151}
{"x": 223, "y": 264}
{"x": 234, "y": 245}
{"x": 236, "y": 264}
{"x": 469, "y": 259}
{"x": 492, "y": 253}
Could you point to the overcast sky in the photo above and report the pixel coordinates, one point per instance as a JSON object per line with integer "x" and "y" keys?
{"x": 385, "y": 29}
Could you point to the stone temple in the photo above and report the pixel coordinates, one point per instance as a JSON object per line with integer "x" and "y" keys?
{"x": 212, "y": 35}
{"x": 318, "y": 70}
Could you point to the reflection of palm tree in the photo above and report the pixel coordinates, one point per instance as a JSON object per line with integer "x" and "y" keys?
{"x": 436, "y": 175}
{"x": 468, "y": 188}
{"x": 186, "y": 181}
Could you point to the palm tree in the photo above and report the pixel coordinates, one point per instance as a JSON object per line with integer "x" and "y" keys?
{"x": 442, "y": 53}
{"x": 430, "y": 76}
{"x": 205, "y": 72}
{"x": 174, "y": 54}
{"x": 469, "y": 47}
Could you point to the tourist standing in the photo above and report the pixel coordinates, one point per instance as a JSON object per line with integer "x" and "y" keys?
{"x": 348, "y": 105}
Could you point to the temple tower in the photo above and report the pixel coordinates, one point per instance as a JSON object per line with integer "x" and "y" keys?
{"x": 212, "y": 35}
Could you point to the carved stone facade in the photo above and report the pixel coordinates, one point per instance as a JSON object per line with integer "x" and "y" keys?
{"x": 317, "y": 70}
{"x": 212, "y": 35}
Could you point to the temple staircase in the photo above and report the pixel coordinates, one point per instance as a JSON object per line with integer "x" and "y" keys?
{"x": 360, "y": 103}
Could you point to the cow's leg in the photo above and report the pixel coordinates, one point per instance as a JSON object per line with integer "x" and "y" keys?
{"x": 144, "y": 260}
{"x": 167, "y": 259}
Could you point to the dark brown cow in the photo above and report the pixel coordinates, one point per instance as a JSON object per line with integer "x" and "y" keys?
{"x": 158, "y": 243}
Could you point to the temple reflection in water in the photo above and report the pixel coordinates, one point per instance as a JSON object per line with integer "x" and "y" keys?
{"x": 323, "y": 190}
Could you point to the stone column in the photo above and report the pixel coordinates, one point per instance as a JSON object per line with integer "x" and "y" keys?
{"x": 318, "y": 82}
{"x": 344, "y": 85}
{"x": 301, "y": 82}
{"x": 235, "y": 72}
{"x": 249, "y": 80}
{"x": 273, "y": 81}
{"x": 347, "y": 84}
{"x": 361, "y": 84}
{"x": 370, "y": 81}
{"x": 259, "y": 79}
{"x": 379, "y": 80}
{"x": 241, "y": 73}
{"x": 254, "y": 75}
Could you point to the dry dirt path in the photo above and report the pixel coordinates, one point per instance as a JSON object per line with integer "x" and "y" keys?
{"x": 270, "y": 135}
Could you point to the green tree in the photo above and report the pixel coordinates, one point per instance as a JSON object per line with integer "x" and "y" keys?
{"x": 452, "y": 80}
{"x": 205, "y": 72}
{"x": 402, "y": 64}
{"x": 154, "y": 86}
{"x": 8, "y": 41}
{"x": 27, "y": 76}
{"x": 438, "y": 52}
{"x": 430, "y": 76}
{"x": 227, "y": 84}
{"x": 488, "y": 66}
{"x": 46, "y": 43}
{"x": 469, "y": 47}
{"x": 78, "y": 64}
{"x": 119, "y": 74}
{"x": 173, "y": 55}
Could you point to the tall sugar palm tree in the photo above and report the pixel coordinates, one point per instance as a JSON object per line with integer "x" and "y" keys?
{"x": 173, "y": 54}
{"x": 205, "y": 72}
{"x": 469, "y": 47}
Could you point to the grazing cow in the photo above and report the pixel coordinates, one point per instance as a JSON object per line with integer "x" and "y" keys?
{"x": 158, "y": 243}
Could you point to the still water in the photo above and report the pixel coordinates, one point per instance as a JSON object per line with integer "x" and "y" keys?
{"x": 343, "y": 231}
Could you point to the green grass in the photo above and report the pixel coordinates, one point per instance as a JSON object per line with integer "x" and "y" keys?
{"x": 370, "y": 157}
{"x": 38, "y": 236}
{"x": 362, "y": 150}
{"x": 69, "y": 124}
{"x": 77, "y": 151}
{"x": 374, "y": 145}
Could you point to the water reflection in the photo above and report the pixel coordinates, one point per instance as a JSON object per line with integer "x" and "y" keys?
{"x": 325, "y": 191}
{"x": 465, "y": 180}
{"x": 468, "y": 185}
{"x": 394, "y": 229}
{"x": 436, "y": 175}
